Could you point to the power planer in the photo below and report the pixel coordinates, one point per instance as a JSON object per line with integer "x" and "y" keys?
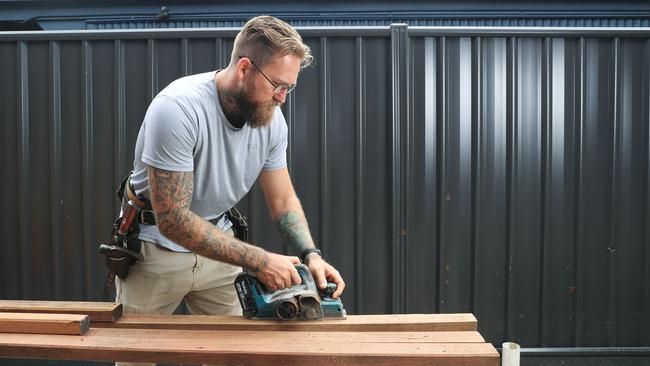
{"x": 303, "y": 302}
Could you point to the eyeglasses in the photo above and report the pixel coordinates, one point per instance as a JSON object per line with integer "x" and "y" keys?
{"x": 277, "y": 88}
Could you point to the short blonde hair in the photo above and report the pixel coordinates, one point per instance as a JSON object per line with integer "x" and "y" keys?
{"x": 265, "y": 37}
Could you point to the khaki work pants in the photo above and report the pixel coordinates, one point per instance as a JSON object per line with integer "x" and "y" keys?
{"x": 157, "y": 285}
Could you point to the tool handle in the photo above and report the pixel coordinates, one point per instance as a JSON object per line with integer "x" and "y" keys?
{"x": 326, "y": 293}
{"x": 304, "y": 273}
{"x": 115, "y": 251}
{"x": 128, "y": 215}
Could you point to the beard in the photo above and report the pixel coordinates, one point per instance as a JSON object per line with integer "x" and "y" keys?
{"x": 257, "y": 114}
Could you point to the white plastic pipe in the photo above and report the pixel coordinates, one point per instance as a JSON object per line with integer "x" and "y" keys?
{"x": 510, "y": 354}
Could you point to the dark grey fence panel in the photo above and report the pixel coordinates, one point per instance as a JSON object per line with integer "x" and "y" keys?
{"x": 561, "y": 160}
{"x": 630, "y": 231}
{"x": 422, "y": 223}
{"x": 502, "y": 172}
{"x": 491, "y": 191}
{"x": 595, "y": 189}
{"x": 548, "y": 234}
{"x": 524, "y": 232}
{"x": 9, "y": 279}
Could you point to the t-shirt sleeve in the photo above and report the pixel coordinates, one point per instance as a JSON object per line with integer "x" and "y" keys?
{"x": 170, "y": 136}
{"x": 277, "y": 158}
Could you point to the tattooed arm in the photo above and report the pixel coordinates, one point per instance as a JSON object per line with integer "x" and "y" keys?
{"x": 289, "y": 218}
{"x": 171, "y": 195}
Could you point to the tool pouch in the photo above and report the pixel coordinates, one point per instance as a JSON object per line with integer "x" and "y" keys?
{"x": 125, "y": 246}
{"x": 124, "y": 252}
{"x": 239, "y": 224}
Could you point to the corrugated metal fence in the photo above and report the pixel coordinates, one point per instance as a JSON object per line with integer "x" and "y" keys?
{"x": 499, "y": 171}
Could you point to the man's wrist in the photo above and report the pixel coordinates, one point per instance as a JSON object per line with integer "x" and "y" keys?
{"x": 309, "y": 253}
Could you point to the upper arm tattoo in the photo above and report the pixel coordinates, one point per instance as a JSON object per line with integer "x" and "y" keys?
{"x": 170, "y": 191}
{"x": 171, "y": 196}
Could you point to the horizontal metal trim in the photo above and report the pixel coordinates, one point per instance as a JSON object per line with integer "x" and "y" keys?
{"x": 584, "y": 351}
{"x": 119, "y": 34}
{"x": 379, "y": 31}
{"x": 364, "y": 31}
{"x": 375, "y": 15}
{"x": 315, "y": 9}
{"x": 167, "y": 33}
{"x": 419, "y": 31}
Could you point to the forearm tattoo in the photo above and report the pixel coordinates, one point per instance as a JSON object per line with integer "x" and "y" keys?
{"x": 294, "y": 231}
{"x": 171, "y": 196}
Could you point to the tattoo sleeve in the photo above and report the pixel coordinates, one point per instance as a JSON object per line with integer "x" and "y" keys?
{"x": 294, "y": 231}
{"x": 171, "y": 196}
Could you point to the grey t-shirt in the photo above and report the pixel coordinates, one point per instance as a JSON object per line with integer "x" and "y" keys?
{"x": 186, "y": 130}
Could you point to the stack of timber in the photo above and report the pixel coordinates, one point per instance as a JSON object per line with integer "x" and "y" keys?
{"x": 413, "y": 339}
{"x": 54, "y": 317}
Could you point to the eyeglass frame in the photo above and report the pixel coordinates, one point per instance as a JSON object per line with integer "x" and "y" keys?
{"x": 277, "y": 88}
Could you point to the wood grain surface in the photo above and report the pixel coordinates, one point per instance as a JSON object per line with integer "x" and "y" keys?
{"x": 362, "y": 323}
{"x": 98, "y": 311}
{"x": 254, "y": 348}
{"x": 71, "y": 324}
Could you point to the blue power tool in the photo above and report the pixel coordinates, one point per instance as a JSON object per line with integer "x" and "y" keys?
{"x": 303, "y": 302}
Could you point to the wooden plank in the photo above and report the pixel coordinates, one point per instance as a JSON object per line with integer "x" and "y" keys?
{"x": 247, "y": 348}
{"x": 361, "y": 323}
{"x": 71, "y": 324}
{"x": 299, "y": 336}
{"x": 98, "y": 311}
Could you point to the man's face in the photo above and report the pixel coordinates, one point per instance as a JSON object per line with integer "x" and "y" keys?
{"x": 256, "y": 98}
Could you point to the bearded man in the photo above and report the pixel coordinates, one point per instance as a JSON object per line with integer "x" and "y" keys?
{"x": 205, "y": 140}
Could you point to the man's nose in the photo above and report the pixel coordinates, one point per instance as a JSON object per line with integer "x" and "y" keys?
{"x": 280, "y": 97}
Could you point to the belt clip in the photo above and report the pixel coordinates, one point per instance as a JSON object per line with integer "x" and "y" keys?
{"x": 143, "y": 218}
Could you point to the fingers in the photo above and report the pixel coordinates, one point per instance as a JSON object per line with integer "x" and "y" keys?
{"x": 336, "y": 278}
{"x": 323, "y": 273}
{"x": 295, "y": 277}
{"x": 272, "y": 283}
{"x": 280, "y": 272}
{"x": 319, "y": 277}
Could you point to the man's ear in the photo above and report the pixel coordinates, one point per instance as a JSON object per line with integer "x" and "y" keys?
{"x": 243, "y": 66}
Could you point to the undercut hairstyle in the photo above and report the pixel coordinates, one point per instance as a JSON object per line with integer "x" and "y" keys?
{"x": 264, "y": 37}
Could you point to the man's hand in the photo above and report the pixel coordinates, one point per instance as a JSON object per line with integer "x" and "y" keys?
{"x": 323, "y": 273}
{"x": 279, "y": 272}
